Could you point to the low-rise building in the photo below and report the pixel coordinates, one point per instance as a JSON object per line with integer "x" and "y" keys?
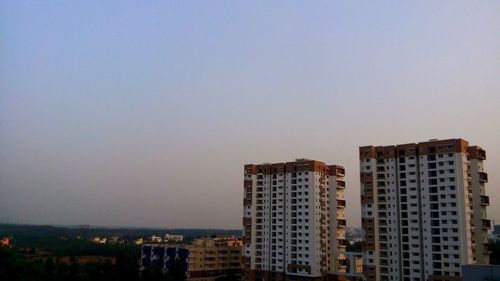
{"x": 155, "y": 239}
{"x": 354, "y": 262}
{"x": 163, "y": 256}
{"x": 173, "y": 238}
{"x": 99, "y": 240}
{"x": 115, "y": 240}
{"x": 5, "y": 242}
{"x": 204, "y": 260}
{"x": 212, "y": 258}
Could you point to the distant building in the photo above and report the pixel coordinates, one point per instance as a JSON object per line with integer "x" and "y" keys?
{"x": 139, "y": 241}
{"x": 204, "y": 260}
{"x": 354, "y": 270}
{"x": 155, "y": 239}
{"x": 495, "y": 235}
{"x": 114, "y": 240}
{"x": 293, "y": 221}
{"x": 423, "y": 210}
{"x": 215, "y": 257}
{"x": 354, "y": 262}
{"x": 496, "y": 229}
{"x": 475, "y": 272}
{"x": 99, "y": 240}
{"x": 173, "y": 238}
{"x": 164, "y": 256}
{"x": 5, "y": 242}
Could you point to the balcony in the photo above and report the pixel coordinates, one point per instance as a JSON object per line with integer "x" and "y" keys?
{"x": 485, "y": 200}
{"x": 342, "y": 242}
{"x": 340, "y": 172}
{"x": 476, "y": 152}
{"x": 486, "y": 224}
{"x": 483, "y": 177}
{"x": 341, "y": 222}
{"x": 341, "y": 203}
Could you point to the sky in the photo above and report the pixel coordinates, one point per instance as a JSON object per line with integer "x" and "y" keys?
{"x": 126, "y": 113}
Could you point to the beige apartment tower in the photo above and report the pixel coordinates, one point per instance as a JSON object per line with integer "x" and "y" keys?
{"x": 293, "y": 221}
{"x": 423, "y": 210}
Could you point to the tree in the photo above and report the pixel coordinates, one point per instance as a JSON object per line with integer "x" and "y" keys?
{"x": 176, "y": 272}
{"x": 228, "y": 277}
{"x": 495, "y": 253}
{"x": 355, "y": 247}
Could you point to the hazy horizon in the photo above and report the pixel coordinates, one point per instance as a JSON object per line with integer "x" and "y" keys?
{"x": 122, "y": 113}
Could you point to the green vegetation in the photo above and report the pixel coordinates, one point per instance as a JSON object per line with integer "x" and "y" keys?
{"x": 229, "y": 277}
{"x": 15, "y": 267}
{"x": 30, "y": 233}
{"x": 495, "y": 253}
{"x": 47, "y": 253}
{"x": 355, "y": 247}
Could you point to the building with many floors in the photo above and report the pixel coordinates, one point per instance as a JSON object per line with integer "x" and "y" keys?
{"x": 293, "y": 221}
{"x": 423, "y": 210}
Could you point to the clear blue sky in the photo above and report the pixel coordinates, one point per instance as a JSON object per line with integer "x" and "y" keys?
{"x": 144, "y": 113}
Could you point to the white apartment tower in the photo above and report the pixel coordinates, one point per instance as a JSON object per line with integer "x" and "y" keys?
{"x": 293, "y": 221}
{"x": 423, "y": 210}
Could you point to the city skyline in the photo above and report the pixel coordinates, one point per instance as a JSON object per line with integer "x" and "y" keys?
{"x": 125, "y": 115}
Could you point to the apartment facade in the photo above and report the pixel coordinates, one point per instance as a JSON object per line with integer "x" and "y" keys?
{"x": 205, "y": 259}
{"x": 293, "y": 220}
{"x": 215, "y": 257}
{"x": 354, "y": 263}
{"x": 423, "y": 210}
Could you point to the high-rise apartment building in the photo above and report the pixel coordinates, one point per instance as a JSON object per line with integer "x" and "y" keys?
{"x": 423, "y": 210}
{"x": 293, "y": 220}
